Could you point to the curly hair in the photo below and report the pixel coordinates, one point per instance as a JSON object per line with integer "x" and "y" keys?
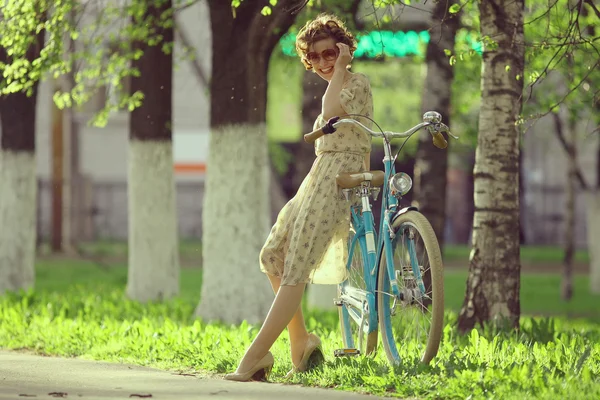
{"x": 324, "y": 26}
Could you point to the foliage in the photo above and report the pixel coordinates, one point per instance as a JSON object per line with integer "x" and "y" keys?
{"x": 81, "y": 310}
{"x": 562, "y": 39}
{"x": 94, "y": 43}
{"x": 20, "y": 23}
{"x": 91, "y": 44}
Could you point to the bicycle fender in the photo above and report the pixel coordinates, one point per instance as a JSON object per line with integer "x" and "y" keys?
{"x": 403, "y": 211}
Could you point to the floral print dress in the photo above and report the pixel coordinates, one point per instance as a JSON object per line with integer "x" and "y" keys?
{"x": 308, "y": 243}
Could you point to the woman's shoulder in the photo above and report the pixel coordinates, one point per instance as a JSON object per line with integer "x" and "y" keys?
{"x": 358, "y": 78}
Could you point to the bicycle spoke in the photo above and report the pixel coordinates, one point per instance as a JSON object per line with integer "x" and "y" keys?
{"x": 408, "y": 319}
{"x": 355, "y": 281}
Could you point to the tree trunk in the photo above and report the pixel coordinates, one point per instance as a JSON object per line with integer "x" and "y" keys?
{"x": 18, "y": 191}
{"x": 598, "y": 157}
{"x": 431, "y": 163}
{"x": 313, "y": 89}
{"x": 236, "y": 212}
{"x": 18, "y": 183}
{"x": 593, "y": 231}
{"x": 492, "y": 292}
{"x": 593, "y": 206}
{"x": 567, "y": 279}
{"x": 153, "y": 245}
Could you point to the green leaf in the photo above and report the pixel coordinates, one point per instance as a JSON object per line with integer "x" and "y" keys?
{"x": 454, "y": 8}
{"x": 273, "y": 2}
{"x": 448, "y": 52}
{"x": 266, "y": 10}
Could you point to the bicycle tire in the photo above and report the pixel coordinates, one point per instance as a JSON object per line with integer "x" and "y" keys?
{"x": 431, "y": 246}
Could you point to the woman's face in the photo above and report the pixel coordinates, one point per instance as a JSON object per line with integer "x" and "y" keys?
{"x": 322, "y": 55}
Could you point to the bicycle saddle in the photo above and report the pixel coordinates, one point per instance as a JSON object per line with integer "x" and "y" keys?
{"x": 350, "y": 180}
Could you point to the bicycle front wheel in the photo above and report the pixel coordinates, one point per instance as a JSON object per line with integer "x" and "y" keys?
{"x": 411, "y": 323}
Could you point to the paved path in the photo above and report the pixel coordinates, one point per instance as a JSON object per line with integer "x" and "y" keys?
{"x": 24, "y": 376}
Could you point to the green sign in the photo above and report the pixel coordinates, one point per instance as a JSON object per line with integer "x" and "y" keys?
{"x": 386, "y": 43}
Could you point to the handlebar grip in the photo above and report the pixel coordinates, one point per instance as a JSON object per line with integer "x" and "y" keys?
{"x": 330, "y": 126}
{"x": 439, "y": 141}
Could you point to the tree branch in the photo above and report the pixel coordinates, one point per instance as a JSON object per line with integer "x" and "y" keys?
{"x": 354, "y": 12}
{"x": 591, "y": 4}
{"x": 179, "y": 31}
{"x": 551, "y": 108}
{"x": 545, "y": 71}
{"x": 568, "y": 147}
{"x": 279, "y": 22}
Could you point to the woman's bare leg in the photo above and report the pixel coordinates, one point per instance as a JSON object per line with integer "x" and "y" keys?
{"x": 296, "y": 327}
{"x": 285, "y": 305}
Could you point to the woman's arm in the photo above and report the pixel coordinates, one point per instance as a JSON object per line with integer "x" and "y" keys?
{"x": 331, "y": 105}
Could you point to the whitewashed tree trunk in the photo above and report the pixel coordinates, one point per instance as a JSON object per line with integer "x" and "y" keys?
{"x": 593, "y": 238}
{"x": 18, "y": 190}
{"x": 153, "y": 247}
{"x": 494, "y": 271}
{"x": 235, "y": 225}
{"x": 18, "y": 183}
{"x": 236, "y": 213}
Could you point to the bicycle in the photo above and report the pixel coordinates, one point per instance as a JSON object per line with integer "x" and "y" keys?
{"x": 380, "y": 283}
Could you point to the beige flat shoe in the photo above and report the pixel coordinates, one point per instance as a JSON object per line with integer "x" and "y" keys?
{"x": 312, "y": 356}
{"x": 260, "y": 372}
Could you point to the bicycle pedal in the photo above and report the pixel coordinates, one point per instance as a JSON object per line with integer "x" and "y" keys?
{"x": 346, "y": 352}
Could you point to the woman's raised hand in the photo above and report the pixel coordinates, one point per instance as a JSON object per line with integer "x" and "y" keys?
{"x": 344, "y": 58}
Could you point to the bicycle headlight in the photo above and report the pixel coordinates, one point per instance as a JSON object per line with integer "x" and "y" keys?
{"x": 400, "y": 183}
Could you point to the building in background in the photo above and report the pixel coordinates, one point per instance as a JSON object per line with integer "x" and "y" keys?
{"x": 103, "y": 151}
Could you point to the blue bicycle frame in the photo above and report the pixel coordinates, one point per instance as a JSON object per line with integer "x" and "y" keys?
{"x": 372, "y": 245}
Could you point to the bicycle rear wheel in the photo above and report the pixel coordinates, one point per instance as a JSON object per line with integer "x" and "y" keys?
{"x": 411, "y": 324}
{"x": 350, "y": 316}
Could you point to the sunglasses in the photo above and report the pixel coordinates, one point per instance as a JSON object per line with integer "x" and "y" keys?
{"x": 328, "y": 55}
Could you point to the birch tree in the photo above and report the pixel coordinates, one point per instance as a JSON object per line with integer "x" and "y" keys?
{"x": 493, "y": 284}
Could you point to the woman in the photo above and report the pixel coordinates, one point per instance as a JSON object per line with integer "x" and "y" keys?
{"x": 308, "y": 241}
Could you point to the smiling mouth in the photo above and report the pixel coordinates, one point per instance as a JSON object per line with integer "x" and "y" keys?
{"x": 327, "y": 70}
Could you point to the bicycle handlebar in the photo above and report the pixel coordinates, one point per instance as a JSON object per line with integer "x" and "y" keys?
{"x": 432, "y": 120}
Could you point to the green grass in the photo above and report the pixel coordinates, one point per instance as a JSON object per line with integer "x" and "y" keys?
{"x": 79, "y": 309}
{"x": 529, "y": 254}
{"x": 191, "y": 250}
